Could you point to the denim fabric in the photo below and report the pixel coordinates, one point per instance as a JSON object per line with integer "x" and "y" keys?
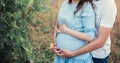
{"x": 99, "y": 60}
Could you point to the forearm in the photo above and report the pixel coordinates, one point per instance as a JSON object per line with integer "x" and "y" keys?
{"x": 55, "y": 31}
{"x": 79, "y": 35}
{"x": 88, "y": 48}
{"x": 98, "y": 43}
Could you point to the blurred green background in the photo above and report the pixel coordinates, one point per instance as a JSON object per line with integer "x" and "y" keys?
{"x": 26, "y": 31}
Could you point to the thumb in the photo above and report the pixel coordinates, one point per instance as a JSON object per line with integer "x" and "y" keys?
{"x": 57, "y": 30}
{"x": 62, "y": 50}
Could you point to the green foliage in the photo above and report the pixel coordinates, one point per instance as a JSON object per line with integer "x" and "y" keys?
{"x": 15, "y": 17}
{"x": 44, "y": 56}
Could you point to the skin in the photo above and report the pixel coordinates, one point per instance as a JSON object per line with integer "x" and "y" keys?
{"x": 103, "y": 33}
{"x": 82, "y": 36}
{"x": 97, "y": 43}
{"x": 75, "y": 1}
{"x": 64, "y": 29}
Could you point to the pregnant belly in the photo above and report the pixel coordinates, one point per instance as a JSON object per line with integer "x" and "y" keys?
{"x": 66, "y": 41}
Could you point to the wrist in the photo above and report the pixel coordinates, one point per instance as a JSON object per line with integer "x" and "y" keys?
{"x": 72, "y": 55}
{"x": 75, "y": 53}
{"x": 66, "y": 30}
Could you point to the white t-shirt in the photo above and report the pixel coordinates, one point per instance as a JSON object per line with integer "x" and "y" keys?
{"x": 105, "y": 16}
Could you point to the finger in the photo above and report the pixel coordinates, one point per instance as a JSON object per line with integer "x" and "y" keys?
{"x": 60, "y": 26}
{"x": 55, "y": 51}
{"x": 57, "y": 48}
{"x": 62, "y": 50}
{"x": 56, "y": 28}
{"x": 59, "y": 51}
{"x": 54, "y": 44}
{"x": 51, "y": 46}
{"x": 58, "y": 31}
{"x": 61, "y": 55}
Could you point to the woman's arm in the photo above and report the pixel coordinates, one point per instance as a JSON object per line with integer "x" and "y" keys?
{"x": 88, "y": 22}
{"x": 55, "y": 31}
{"x": 56, "y": 22}
{"x": 80, "y": 35}
{"x": 55, "y": 48}
{"x": 107, "y": 20}
{"x": 97, "y": 43}
{"x": 89, "y": 30}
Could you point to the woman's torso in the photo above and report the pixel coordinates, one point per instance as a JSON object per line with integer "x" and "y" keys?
{"x": 66, "y": 16}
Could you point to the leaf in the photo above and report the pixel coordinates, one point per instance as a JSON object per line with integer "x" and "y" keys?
{"x": 45, "y": 29}
{"x": 22, "y": 39}
{"x": 15, "y": 25}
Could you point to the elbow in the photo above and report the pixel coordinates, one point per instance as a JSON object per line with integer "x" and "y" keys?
{"x": 101, "y": 41}
{"x": 101, "y": 44}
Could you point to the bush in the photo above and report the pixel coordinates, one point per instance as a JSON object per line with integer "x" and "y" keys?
{"x": 16, "y": 16}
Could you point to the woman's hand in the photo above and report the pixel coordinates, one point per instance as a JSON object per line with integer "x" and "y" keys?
{"x": 65, "y": 53}
{"x": 56, "y": 31}
{"x": 55, "y": 49}
{"x": 54, "y": 45}
{"x": 62, "y": 52}
{"x": 63, "y": 28}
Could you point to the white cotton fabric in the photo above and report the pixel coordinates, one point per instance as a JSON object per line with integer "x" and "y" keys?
{"x": 105, "y": 16}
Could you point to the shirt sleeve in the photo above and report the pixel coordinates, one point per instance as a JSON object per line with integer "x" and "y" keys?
{"x": 88, "y": 21}
{"x": 108, "y": 14}
{"x": 63, "y": 4}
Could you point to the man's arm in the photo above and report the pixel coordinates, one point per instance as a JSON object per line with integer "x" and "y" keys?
{"x": 108, "y": 15}
{"x": 98, "y": 43}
